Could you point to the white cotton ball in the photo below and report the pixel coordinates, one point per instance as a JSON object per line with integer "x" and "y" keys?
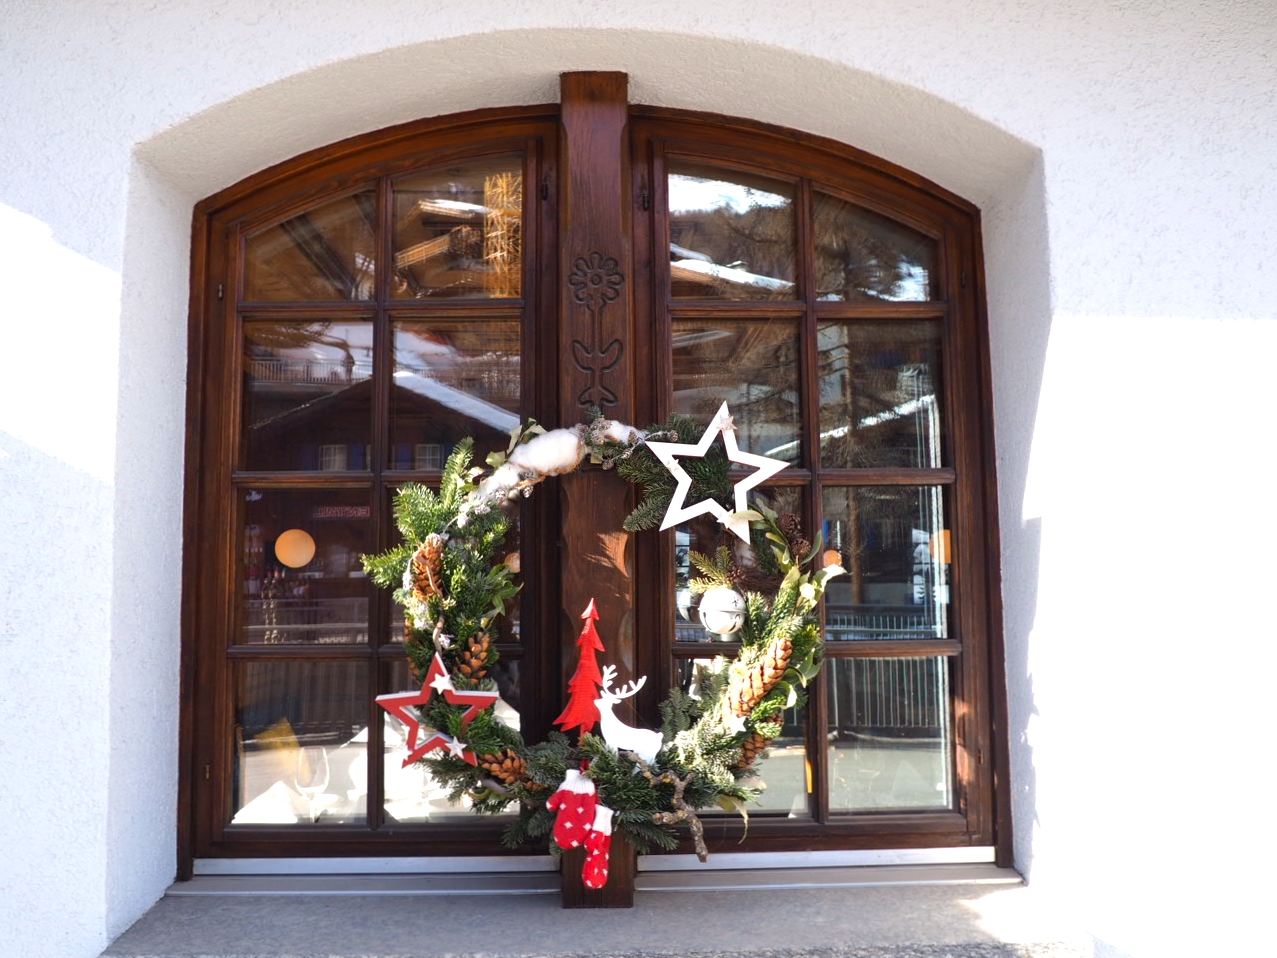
{"x": 549, "y": 454}
{"x": 620, "y": 432}
{"x": 502, "y": 480}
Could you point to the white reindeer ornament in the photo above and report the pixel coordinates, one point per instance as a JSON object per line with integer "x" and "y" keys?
{"x": 643, "y": 742}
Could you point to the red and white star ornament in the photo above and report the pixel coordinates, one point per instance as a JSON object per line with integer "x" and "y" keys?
{"x": 669, "y": 452}
{"x": 402, "y": 705}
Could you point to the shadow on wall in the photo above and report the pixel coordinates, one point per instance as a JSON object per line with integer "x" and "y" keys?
{"x": 1017, "y": 256}
{"x": 54, "y": 655}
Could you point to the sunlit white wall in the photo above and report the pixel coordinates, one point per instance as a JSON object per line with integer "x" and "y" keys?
{"x": 1123, "y": 155}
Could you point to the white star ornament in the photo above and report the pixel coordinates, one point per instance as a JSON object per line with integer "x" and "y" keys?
{"x": 667, "y": 453}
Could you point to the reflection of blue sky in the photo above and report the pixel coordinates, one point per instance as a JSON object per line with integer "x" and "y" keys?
{"x": 690, "y": 194}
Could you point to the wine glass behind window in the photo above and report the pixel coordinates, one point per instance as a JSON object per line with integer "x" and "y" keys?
{"x": 311, "y": 774}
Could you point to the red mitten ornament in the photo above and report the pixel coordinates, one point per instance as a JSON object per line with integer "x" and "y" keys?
{"x": 575, "y": 802}
{"x": 597, "y": 845}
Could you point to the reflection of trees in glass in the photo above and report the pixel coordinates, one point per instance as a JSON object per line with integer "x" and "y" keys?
{"x": 730, "y": 238}
{"x": 753, "y": 367}
{"x": 861, "y": 255}
{"x": 878, "y": 395}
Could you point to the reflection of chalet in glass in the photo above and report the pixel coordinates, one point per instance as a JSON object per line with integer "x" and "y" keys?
{"x": 328, "y": 429}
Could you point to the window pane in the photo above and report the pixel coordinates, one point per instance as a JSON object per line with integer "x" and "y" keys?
{"x": 327, "y": 253}
{"x": 863, "y": 256}
{"x": 889, "y": 739}
{"x": 301, "y": 743}
{"x": 880, "y": 394}
{"x": 893, "y": 542}
{"x": 306, "y": 396}
{"x": 452, "y": 379}
{"x": 784, "y": 768}
{"x": 753, "y": 366}
{"x": 703, "y": 534}
{"x": 731, "y": 235}
{"x": 300, "y": 570}
{"x": 412, "y": 794}
{"x": 458, "y": 232}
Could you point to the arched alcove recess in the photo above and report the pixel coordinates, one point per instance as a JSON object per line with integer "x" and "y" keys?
{"x": 595, "y": 182}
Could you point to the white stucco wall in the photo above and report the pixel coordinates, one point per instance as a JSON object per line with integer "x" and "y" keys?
{"x": 1123, "y": 154}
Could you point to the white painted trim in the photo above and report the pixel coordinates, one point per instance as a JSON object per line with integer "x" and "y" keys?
{"x": 967, "y": 855}
{"x": 500, "y": 864}
{"x": 375, "y": 866}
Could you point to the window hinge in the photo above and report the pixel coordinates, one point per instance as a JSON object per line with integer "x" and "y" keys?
{"x": 221, "y": 291}
{"x": 964, "y": 277}
{"x": 545, "y": 189}
{"x": 645, "y": 200}
{"x": 208, "y": 772}
{"x": 979, "y": 756}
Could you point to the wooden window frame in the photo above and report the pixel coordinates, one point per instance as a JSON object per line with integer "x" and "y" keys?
{"x": 981, "y": 815}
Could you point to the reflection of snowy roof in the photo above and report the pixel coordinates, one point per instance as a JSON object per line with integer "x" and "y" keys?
{"x": 730, "y": 275}
{"x": 472, "y": 407}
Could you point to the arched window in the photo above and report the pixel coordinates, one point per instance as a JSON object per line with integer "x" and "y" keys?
{"x": 359, "y": 309}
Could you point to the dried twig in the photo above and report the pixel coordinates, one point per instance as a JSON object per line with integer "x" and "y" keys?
{"x": 682, "y": 811}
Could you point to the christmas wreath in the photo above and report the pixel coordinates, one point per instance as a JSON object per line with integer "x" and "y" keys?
{"x": 454, "y": 580}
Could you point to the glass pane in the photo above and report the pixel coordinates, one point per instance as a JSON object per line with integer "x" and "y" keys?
{"x": 412, "y": 794}
{"x": 452, "y": 379}
{"x": 893, "y": 542}
{"x": 754, "y": 367}
{"x": 731, "y": 235}
{"x": 327, "y": 253}
{"x": 863, "y": 256}
{"x": 784, "y": 768}
{"x": 703, "y": 534}
{"x": 301, "y": 743}
{"x": 458, "y": 232}
{"x": 306, "y": 396}
{"x": 889, "y": 741}
{"x": 880, "y": 394}
{"x": 299, "y": 566}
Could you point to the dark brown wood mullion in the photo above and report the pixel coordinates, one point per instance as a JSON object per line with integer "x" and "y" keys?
{"x": 220, "y": 756}
{"x": 889, "y": 476}
{"x": 881, "y": 312}
{"x": 539, "y": 366}
{"x": 683, "y": 309}
{"x": 653, "y": 554}
{"x": 809, "y": 393}
{"x": 305, "y": 312}
{"x": 378, "y": 600}
{"x": 204, "y": 582}
{"x": 966, "y": 627}
{"x": 994, "y": 658}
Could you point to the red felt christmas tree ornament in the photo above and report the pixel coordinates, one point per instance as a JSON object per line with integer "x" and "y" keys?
{"x": 581, "y": 712}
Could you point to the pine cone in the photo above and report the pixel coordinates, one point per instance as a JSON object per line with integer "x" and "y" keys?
{"x": 735, "y": 575}
{"x": 474, "y": 657}
{"x": 509, "y": 769}
{"x": 791, "y": 526}
{"x": 505, "y": 766}
{"x": 748, "y": 683}
{"x": 427, "y": 568}
{"x": 753, "y": 746}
